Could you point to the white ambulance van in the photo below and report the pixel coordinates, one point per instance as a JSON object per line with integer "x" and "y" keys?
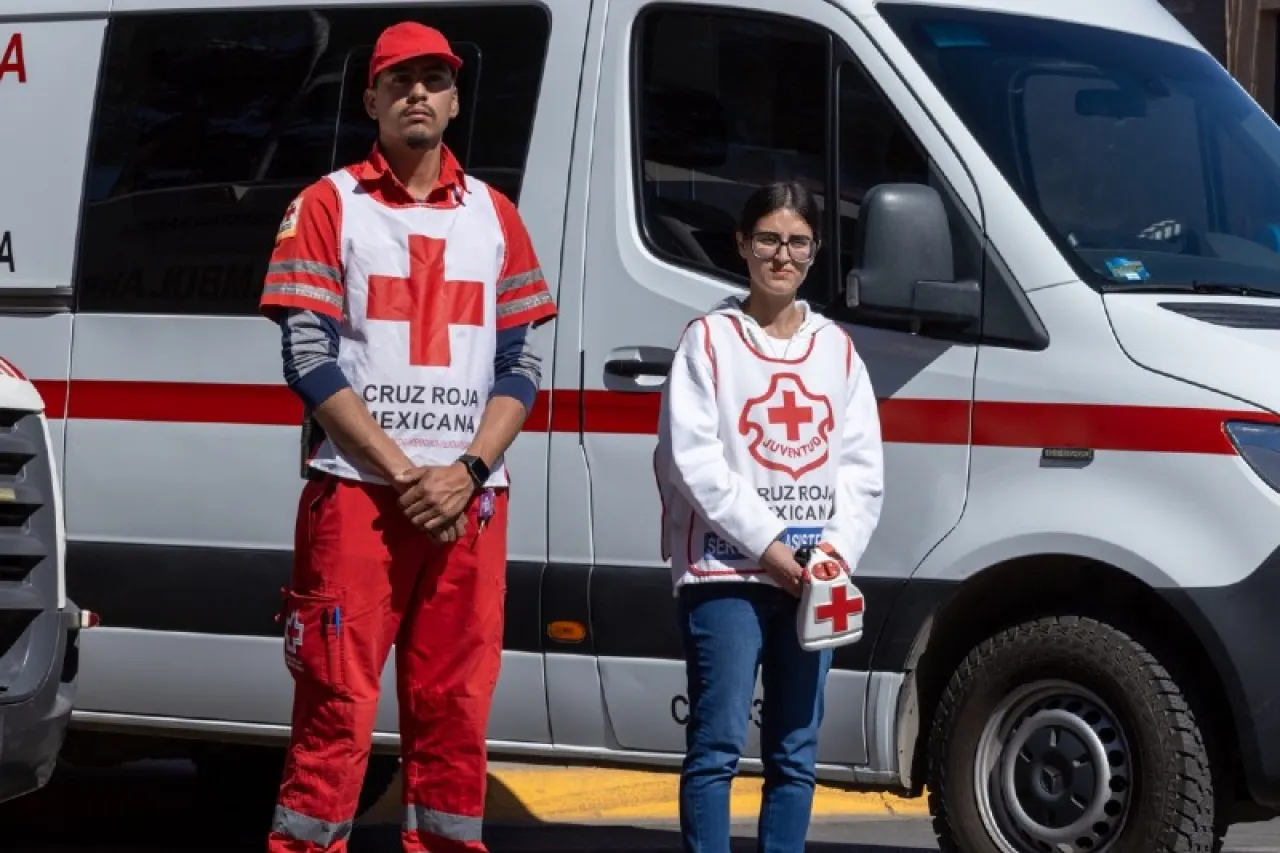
{"x": 39, "y": 626}
{"x": 1052, "y": 229}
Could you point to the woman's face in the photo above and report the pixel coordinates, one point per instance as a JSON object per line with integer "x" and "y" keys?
{"x": 778, "y": 252}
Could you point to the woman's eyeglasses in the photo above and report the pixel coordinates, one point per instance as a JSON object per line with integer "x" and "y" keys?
{"x": 765, "y": 245}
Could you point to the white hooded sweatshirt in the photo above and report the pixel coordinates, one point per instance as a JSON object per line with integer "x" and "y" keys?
{"x": 761, "y": 438}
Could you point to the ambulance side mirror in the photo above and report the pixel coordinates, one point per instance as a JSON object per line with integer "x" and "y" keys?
{"x": 906, "y": 269}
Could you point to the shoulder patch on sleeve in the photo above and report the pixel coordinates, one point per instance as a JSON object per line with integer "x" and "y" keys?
{"x": 289, "y": 225}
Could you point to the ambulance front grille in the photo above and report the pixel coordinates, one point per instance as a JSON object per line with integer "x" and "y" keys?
{"x": 28, "y": 550}
{"x": 15, "y": 453}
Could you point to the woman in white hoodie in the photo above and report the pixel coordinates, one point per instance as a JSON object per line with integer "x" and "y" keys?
{"x": 768, "y": 439}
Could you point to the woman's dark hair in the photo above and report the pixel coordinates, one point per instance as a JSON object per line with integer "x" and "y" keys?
{"x": 787, "y": 195}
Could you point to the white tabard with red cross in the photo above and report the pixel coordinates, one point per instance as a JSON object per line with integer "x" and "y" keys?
{"x": 419, "y": 325}
{"x": 781, "y": 410}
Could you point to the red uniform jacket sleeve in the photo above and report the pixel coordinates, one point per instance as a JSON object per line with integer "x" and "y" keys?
{"x": 523, "y": 295}
{"x": 305, "y": 270}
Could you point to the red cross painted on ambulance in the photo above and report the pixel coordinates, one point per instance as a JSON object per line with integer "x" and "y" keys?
{"x": 788, "y": 426}
{"x": 427, "y": 301}
{"x": 838, "y": 611}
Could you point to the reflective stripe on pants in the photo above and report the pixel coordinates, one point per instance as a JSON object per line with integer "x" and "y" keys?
{"x": 419, "y": 820}
{"x": 309, "y": 829}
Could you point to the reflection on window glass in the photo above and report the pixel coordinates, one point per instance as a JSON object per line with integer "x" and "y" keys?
{"x": 1143, "y": 159}
{"x": 729, "y": 102}
{"x": 209, "y": 124}
{"x": 876, "y": 147}
{"x": 1080, "y": 189}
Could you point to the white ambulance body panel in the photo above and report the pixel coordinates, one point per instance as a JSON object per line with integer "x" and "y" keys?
{"x": 1079, "y": 410}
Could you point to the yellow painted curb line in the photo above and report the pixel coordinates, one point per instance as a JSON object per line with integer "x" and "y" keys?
{"x": 566, "y": 794}
{"x": 557, "y": 794}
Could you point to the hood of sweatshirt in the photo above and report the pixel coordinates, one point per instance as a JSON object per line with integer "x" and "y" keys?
{"x": 812, "y": 323}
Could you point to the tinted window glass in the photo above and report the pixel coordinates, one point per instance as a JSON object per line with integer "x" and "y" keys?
{"x": 209, "y": 124}
{"x": 1144, "y": 160}
{"x": 877, "y": 147}
{"x": 728, "y": 103}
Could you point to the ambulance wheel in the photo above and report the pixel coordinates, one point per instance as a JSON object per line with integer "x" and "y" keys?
{"x": 1065, "y": 735}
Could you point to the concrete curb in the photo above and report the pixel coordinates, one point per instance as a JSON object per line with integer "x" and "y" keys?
{"x": 553, "y": 794}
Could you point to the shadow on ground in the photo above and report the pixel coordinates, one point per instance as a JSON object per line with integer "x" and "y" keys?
{"x": 161, "y": 806}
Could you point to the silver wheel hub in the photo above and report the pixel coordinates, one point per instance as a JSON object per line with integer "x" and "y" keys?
{"x": 1053, "y": 771}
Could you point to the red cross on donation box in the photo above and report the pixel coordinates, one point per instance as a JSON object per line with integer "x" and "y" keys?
{"x": 839, "y": 609}
{"x": 427, "y": 301}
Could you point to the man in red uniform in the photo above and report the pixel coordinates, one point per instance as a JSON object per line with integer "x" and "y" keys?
{"x": 404, "y": 289}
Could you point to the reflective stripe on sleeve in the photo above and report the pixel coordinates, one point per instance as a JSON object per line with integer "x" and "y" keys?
{"x": 297, "y": 266}
{"x": 445, "y": 825}
{"x": 519, "y": 306}
{"x": 511, "y": 282}
{"x": 306, "y": 291}
{"x": 303, "y": 828}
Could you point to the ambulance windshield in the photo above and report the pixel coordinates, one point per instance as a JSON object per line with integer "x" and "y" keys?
{"x": 1143, "y": 159}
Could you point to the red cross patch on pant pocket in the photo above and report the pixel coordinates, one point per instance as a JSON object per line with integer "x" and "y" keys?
{"x": 313, "y": 640}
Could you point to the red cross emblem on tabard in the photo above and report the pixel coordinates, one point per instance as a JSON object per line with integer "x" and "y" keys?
{"x": 791, "y": 415}
{"x": 427, "y": 301}
{"x": 839, "y": 610}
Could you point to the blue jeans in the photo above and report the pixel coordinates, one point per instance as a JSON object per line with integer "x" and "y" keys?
{"x": 729, "y": 629}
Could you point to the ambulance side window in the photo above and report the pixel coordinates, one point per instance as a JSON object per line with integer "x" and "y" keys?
{"x": 208, "y": 124}
{"x": 877, "y": 147}
{"x": 726, "y": 102}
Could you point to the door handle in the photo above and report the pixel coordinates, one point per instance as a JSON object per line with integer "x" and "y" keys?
{"x": 633, "y": 367}
{"x": 633, "y": 362}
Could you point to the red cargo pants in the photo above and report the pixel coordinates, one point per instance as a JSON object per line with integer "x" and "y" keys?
{"x": 364, "y": 579}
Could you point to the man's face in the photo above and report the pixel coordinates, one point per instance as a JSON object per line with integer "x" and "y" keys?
{"x": 413, "y": 102}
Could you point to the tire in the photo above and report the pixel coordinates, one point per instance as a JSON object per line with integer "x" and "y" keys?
{"x": 1000, "y": 782}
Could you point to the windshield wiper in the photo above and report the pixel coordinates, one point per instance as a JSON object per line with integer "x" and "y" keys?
{"x": 1195, "y": 287}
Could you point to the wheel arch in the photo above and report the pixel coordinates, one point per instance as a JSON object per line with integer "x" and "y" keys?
{"x": 1032, "y": 586}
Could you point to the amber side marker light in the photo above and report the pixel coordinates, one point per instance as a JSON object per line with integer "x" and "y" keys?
{"x": 567, "y": 631}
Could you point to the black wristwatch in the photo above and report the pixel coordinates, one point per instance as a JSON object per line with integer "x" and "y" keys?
{"x": 476, "y": 468}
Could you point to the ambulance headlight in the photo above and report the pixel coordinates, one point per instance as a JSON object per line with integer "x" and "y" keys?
{"x": 1259, "y": 445}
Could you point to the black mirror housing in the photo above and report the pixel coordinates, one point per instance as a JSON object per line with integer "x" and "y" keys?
{"x": 903, "y": 239}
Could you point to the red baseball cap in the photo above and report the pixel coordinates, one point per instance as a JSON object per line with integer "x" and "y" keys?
{"x": 409, "y": 40}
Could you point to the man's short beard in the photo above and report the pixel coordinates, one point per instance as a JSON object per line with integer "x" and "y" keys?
{"x": 418, "y": 140}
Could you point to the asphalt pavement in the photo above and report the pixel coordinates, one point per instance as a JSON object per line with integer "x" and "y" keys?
{"x": 160, "y": 806}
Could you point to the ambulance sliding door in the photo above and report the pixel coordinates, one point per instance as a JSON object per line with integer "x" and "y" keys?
{"x": 184, "y": 463}
{"x": 700, "y": 105}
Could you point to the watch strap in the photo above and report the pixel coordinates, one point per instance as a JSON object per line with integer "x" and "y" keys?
{"x": 476, "y": 468}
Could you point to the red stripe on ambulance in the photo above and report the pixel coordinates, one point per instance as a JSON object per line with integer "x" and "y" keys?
{"x": 1141, "y": 428}
{"x": 1153, "y": 429}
